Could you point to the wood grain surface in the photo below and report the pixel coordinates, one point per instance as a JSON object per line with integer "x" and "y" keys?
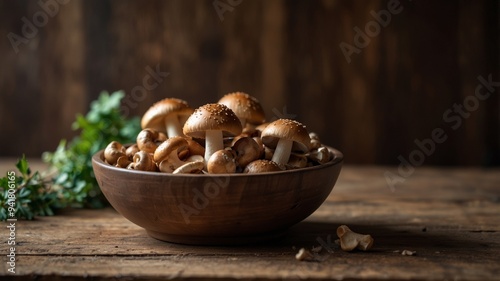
{"x": 450, "y": 217}
{"x": 395, "y": 90}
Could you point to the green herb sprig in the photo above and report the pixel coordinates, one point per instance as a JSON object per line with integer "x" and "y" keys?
{"x": 31, "y": 194}
{"x": 102, "y": 124}
{"x": 74, "y": 184}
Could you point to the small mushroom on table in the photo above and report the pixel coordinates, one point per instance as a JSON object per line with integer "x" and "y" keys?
{"x": 167, "y": 116}
{"x": 286, "y": 136}
{"x": 212, "y": 122}
{"x": 350, "y": 240}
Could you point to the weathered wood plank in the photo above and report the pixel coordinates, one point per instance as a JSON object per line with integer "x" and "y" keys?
{"x": 448, "y": 216}
{"x": 339, "y": 266}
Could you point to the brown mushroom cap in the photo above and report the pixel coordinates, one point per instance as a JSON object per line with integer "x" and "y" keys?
{"x": 246, "y": 107}
{"x": 155, "y": 116}
{"x": 212, "y": 117}
{"x": 287, "y": 129}
{"x": 221, "y": 162}
{"x": 148, "y": 139}
{"x": 212, "y": 122}
{"x": 143, "y": 161}
{"x": 113, "y": 151}
{"x": 178, "y": 144}
{"x": 261, "y": 166}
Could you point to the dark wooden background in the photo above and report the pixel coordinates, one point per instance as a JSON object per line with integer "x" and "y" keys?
{"x": 286, "y": 53}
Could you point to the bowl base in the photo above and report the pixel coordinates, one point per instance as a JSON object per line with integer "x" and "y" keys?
{"x": 217, "y": 240}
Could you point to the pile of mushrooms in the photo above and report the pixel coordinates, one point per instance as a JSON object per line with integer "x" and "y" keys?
{"x": 230, "y": 136}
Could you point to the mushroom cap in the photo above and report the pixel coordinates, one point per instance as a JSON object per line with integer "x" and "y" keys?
{"x": 245, "y": 107}
{"x": 287, "y": 129}
{"x": 113, "y": 151}
{"x": 221, "y": 162}
{"x": 247, "y": 150}
{"x": 170, "y": 145}
{"x": 212, "y": 116}
{"x": 261, "y": 166}
{"x": 156, "y": 114}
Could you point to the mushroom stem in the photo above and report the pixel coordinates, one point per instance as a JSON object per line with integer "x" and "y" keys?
{"x": 172, "y": 126}
{"x": 282, "y": 152}
{"x": 171, "y": 163}
{"x": 213, "y": 142}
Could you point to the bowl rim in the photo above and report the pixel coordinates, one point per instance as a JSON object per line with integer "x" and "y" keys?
{"x": 337, "y": 158}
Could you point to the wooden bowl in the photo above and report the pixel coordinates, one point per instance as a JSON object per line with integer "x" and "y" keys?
{"x": 216, "y": 209}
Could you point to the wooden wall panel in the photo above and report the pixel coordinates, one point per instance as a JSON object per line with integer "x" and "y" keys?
{"x": 286, "y": 53}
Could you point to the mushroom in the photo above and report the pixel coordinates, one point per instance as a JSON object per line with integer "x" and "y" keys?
{"x": 143, "y": 161}
{"x": 246, "y": 107}
{"x": 246, "y": 150}
{"x": 167, "y": 166}
{"x": 261, "y": 166}
{"x": 304, "y": 255}
{"x": 194, "y": 158}
{"x": 123, "y": 162}
{"x": 131, "y": 150}
{"x": 296, "y": 161}
{"x": 350, "y": 240}
{"x": 315, "y": 142}
{"x": 258, "y": 140}
{"x": 221, "y": 162}
{"x": 261, "y": 128}
{"x": 194, "y": 147}
{"x": 268, "y": 153}
{"x": 211, "y": 122}
{"x": 320, "y": 155}
{"x": 286, "y": 136}
{"x": 190, "y": 168}
{"x": 166, "y": 116}
{"x": 113, "y": 151}
{"x": 149, "y": 139}
{"x": 169, "y": 152}
{"x": 314, "y": 136}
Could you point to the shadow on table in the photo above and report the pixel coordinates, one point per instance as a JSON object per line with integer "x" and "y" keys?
{"x": 309, "y": 234}
{"x": 387, "y": 237}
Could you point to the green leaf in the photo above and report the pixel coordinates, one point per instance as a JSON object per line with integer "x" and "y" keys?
{"x": 22, "y": 166}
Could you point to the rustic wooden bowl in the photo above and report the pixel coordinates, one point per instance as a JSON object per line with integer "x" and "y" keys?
{"x": 216, "y": 209}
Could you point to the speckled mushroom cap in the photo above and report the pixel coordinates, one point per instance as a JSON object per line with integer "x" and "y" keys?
{"x": 212, "y": 116}
{"x": 287, "y": 129}
{"x": 245, "y": 107}
{"x": 155, "y": 116}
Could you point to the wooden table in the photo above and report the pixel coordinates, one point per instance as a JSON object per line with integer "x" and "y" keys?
{"x": 449, "y": 216}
